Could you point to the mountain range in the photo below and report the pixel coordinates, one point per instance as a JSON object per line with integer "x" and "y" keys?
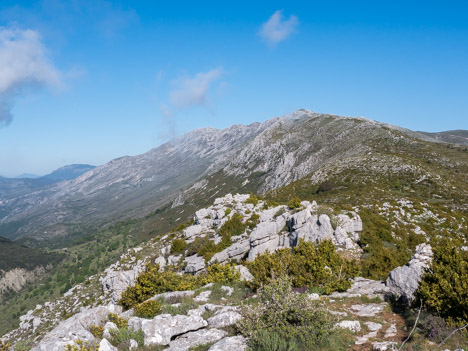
{"x": 257, "y": 157}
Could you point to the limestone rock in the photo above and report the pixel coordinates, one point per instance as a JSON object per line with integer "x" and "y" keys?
{"x": 105, "y": 345}
{"x": 404, "y": 281}
{"x": 244, "y": 273}
{"x": 74, "y": 328}
{"x": 354, "y": 326}
{"x": 193, "y": 230}
{"x": 233, "y": 343}
{"x": 224, "y": 317}
{"x": 369, "y": 310}
{"x": 161, "y": 329}
{"x": 364, "y": 287}
{"x": 199, "y": 337}
{"x": 117, "y": 280}
{"x": 195, "y": 264}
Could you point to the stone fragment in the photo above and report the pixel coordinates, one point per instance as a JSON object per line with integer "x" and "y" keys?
{"x": 354, "y": 326}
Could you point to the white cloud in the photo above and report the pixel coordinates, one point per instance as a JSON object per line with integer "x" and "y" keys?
{"x": 193, "y": 91}
{"x": 277, "y": 29}
{"x": 23, "y": 66}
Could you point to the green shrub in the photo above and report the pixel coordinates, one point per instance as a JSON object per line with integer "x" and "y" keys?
{"x": 121, "y": 337}
{"x": 444, "y": 289}
{"x": 306, "y": 265}
{"x": 292, "y": 317}
{"x": 253, "y": 199}
{"x": 80, "y": 345}
{"x": 178, "y": 246}
{"x": 148, "y": 309}
{"x": 97, "y": 330}
{"x": 294, "y": 203}
{"x": 195, "y": 246}
{"x": 253, "y": 220}
{"x": 222, "y": 273}
{"x": 227, "y": 211}
{"x": 152, "y": 282}
{"x": 233, "y": 226}
{"x": 120, "y": 322}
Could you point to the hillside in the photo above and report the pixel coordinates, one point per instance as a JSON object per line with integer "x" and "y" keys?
{"x": 406, "y": 190}
{"x": 20, "y": 265}
{"x": 258, "y": 158}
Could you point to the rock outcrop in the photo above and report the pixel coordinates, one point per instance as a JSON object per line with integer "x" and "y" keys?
{"x": 404, "y": 281}
{"x": 75, "y": 328}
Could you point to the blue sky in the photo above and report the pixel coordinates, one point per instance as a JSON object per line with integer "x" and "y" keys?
{"x": 88, "y": 81}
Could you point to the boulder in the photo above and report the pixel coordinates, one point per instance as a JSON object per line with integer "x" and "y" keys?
{"x": 224, "y": 317}
{"x": 195, "y": 264}
{"x": 105, "y": 345}
{"x": 116, "y": 281}
{"x": 245, "y": 274}
{"x": 193, "y": 230}
{"x": 163, "y": 328}
{"x": 74, "y": 328}
{"x": 404, "y": 281}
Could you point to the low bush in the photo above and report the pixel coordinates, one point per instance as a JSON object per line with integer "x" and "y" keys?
{"x": 444, "y": 289}
{"x": 152, "y": 282}
{"x": 121, "y": 337}
{"x": 81, "y": 345}
{"x": 253, "y": 199}
{"x": 294, "y": 203}
{"x": 233, "y": 226}
{"x": 120, "y": 322}
{"x": 148, "y": 309}
{"x": 97, "y": 330}
{"x": 285, "y": 318}
{"x": 307, "y": 265}
{"x": 178, "y": 246}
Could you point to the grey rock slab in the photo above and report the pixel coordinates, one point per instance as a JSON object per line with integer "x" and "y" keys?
{"x": 383, "y": 346}
{"x": 368, "y": 310}
{"x": 354, "y": 326}
{"x": 195, "y": 264}
{"x": 224, "y": 317}
{"x": 199, "y": 337}
{"x": 105, "y": 345}
{"x": 232, "y": 343}
{"x": 74, "y": 328}
{"x": 203, "y": 297}
{"x": 161, "y": 329}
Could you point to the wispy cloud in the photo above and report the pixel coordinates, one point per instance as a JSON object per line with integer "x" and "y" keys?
{"x": 24, "y": 66}
{"x": 193, "y": 91}
{"x": 277, "y": 28}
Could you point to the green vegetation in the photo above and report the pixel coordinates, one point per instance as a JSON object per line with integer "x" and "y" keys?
{"x": 120, "y": 322}
{"x": 444, "y": 289}
{"x": 306, "y": 266}
{"x": 284, "y": 320}
{"x": 122, "y": 336}
{"x": 19, "y": 256}
{"x": 207, "y": 248}
{"x": 152, "y": 282}
{"x": 178, "y": 246}
{"x": 294, "y": 203}
{"x": 148, "y": 309}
